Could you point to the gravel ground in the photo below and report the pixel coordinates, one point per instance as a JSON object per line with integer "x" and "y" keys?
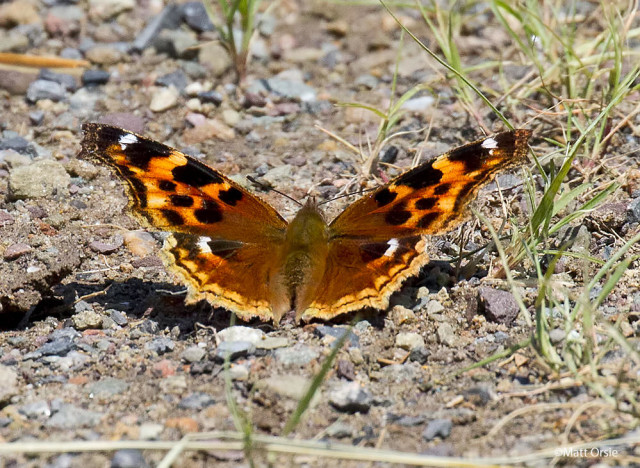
{"x": 97, "y": 341}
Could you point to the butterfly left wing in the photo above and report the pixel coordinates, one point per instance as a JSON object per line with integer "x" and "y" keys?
{"x": 223, "y": 236}
{"x": 377, "y": 241}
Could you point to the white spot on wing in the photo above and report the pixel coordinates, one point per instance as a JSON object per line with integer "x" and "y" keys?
{"x": 127, "y": 139}
{"x": 393, "y": 246}
{"x": 203, "y": 244}
{"x": 489, "y": 144}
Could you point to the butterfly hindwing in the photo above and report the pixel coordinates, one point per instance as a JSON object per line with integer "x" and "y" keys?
{"x": 374, "y": 270}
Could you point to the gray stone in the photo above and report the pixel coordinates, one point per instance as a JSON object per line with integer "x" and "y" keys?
{"x": 196, "y": 401}
{"x": 19, "y": 145}
{"x": 160, "y": 345}
{"x": 445, "y": 333}
{"x": 177, "y": 43}
{"x": 419, "y": 104}
{"x": 44, "y": 89}
{"x": 177, "y": 79}
{"x": 95, "y": 77}
{"x": 68, "y": 82}
{"x": 40, "y": 179}
{"x": 289, "y": 386}
{"x": 240, "y": 333}
{"x": 81, "y": 306}
{"x": 128, "y": 458}
{"x": 437, "y": 428}
{"x": 498, "y": 306}
{"x": 350, "y": 397}
{"x": 340, "y": 430}
{"x": 213, "y": 97}
{"x": 72, "y": 417}
{"x": 557, "y": 335}
{"x": 291, "y": 89}
{"x": 9, "y": 386}
{"x": 273, "y": 342}
{"x": 118, "y": 317}
{"x": 366, "y": 80}
{"x": 57, "y": 347}
{"x": 196, "y": 17}
{"x": 35, "y": 410}
{"x": 338, "y": 332}
{"x": 150, "y": 431}
{"x": 409, "y": 341}
{"x": 193, "y": 354}
{"x": 419, "y": 355}
{"x": 168, "y": 18}
{"x": 107, "y": 387}
{"x": 233, "y": 350}
{"x": 297, "y": 355}
{"x": 633, "y": 211}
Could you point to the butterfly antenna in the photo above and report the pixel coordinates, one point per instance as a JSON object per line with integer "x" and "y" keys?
{"x": 359, "y": 192}
{"x": 271, "y": 189}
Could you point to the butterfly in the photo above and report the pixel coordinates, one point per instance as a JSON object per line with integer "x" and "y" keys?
{"x": 235, "y": 251}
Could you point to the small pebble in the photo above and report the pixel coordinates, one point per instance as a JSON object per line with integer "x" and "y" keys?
{"x": 15, "y": 251}
{"x": 87, "y": 319}
{"x": 233, "y": 350}
{"x": 196, "y": 401}
{"x": 95, "y": 77}
{"x": 160, "y": 345}
{"x": 164, "y": 99}
{"x": 437, "y": 428}
{"x": 128, "y": 458}
{"x": 350, "y": 397}
{"x": 193, "y": 354}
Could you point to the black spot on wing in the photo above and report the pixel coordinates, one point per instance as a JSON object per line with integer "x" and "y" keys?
{"x": 397, "y": 215}
{"x": 173, "y": 217}
{"x": 426, "y": 203}
{"x": 141, "y": 152}
{"x": 167, "y": 186}
{"x": 224, "y": 248}
{"x": 421, "y": 177}
{"x": 441, "y": 189}
{"x": 209, "y": 213}
{"x": 428, "y": 219}
{"x": 371, "y": 252}
{"x": 384, "y": 197}
{"x": 195, "y": 174}
{"x": 183, "y": 201}
{"x": 230, "y": 196}
{"x": 464, "y": 193}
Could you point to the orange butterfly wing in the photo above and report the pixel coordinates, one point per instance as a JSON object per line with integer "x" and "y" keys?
{"x": 376, "y": 243}
{"x": 224, "y": 236}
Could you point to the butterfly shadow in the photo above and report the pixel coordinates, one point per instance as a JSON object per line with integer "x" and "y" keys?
{"x": 164, "y": 303}
{"x": 138, "y": 299}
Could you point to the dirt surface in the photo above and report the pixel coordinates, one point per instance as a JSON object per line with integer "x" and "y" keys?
{"x": 97, "y": 341}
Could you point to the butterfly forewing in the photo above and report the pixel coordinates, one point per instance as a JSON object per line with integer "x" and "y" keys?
{"x": 172, "y": 191}
{"x": 432, "y": 197}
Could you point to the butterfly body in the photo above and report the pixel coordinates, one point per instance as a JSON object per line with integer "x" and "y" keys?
{"x": 235, "y": 251}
